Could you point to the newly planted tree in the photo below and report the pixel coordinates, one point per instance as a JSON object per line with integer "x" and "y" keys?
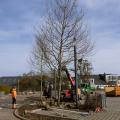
{"x": 63, "y": 27}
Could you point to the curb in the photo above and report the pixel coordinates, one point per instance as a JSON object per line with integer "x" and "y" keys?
{"x": 15, "y": 113}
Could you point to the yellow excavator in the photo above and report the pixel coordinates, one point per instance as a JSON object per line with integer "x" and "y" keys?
{"x": 113, "y": 90}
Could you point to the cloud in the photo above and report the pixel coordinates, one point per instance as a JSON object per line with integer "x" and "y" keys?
{"x": 13, "y": 59}
{"x": 19, "y": 17}
{"x": 107, "y": 60}
{"x": 18, "y": 20}
{"x": 103, "y": 20}
{"x": 97, "y": 4}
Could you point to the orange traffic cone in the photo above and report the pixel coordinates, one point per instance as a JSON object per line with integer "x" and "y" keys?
{"x": 98, "y": 109}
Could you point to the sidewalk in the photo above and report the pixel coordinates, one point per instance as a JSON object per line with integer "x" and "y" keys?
{"x": 112, "y": 111}
{"x": 6, "y": 113}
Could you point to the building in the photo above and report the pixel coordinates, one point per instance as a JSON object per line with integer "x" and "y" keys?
{"x": 102, "y": 80}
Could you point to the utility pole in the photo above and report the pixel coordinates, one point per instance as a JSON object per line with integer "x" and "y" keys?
{"x": 75, "y": 65}
{"x": 41, "y": 76}
{"x": 18, "y": 85}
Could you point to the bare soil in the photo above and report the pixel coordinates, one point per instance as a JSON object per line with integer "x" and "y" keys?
{"x": 45, "y": 104}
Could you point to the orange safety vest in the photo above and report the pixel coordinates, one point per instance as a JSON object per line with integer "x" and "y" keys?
{"x": 78, "y": 91}
{"x": 14, "y": 93}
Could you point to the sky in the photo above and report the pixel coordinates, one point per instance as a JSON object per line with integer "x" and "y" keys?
{"x": 18, "y": 19}
{"x": 103, "y": 19}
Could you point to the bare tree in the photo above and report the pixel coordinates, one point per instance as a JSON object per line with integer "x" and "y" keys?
{"x": 37, "y": 58}
{"x": 55, "y": 38}
{"x": 85, "y": 70}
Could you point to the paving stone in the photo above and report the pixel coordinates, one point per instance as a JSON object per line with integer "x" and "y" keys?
{"x": 112, "y": 111}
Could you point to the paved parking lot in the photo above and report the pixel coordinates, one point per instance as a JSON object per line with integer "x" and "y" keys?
{"x": 6, "y": 113}
{"x": 112, "y": 111}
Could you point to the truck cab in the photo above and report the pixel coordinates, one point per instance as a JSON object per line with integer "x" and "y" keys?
{"x": 86, "y": 88}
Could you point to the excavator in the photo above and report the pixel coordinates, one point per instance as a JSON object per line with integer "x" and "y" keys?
{"x": 85, "y": 86}
{"x": 89, "y": 99}
{"x": 70, "y": 94}
{"x": 113, "y": 90}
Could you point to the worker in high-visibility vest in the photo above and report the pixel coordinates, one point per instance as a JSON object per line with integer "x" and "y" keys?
{"x": 13, "y": 94}
{"x": 78, "y": 93}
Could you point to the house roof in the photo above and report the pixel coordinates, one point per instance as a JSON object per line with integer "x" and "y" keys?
{"x": 98, "y": 81}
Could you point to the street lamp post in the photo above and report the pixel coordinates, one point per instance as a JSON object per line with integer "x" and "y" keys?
{"x": 75, "y": 65}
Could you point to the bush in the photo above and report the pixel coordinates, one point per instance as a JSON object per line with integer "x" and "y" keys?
{"x": 5, "y": 89}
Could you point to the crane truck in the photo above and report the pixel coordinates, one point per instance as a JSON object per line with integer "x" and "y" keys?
{"x": 84, "y": 87}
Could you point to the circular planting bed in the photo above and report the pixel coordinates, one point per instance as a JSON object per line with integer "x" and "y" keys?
{"x": 47, "y": 109}
{"x": 33, "y": 112}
